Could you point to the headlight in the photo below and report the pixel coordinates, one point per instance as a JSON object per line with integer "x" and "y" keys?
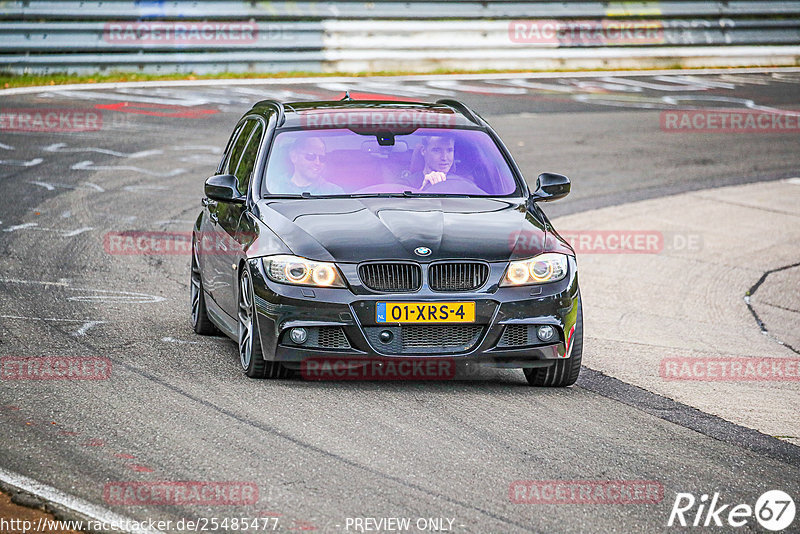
{"x": 300, "y": 271}
{"x": 548, "y": 267}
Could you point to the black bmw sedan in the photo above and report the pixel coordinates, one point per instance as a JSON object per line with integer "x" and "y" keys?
{"x": 362, "y": 231}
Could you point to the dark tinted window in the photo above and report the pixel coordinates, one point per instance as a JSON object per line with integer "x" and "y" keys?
{"x": 245, "y": 168}
{"x": 238, "y": 146}
{"x": 226, "y": 156}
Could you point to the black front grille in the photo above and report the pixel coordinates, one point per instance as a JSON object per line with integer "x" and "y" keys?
{"x": 332, "y": 337}
{"x": 518, "y": 335}
{"x": 438, "y": 336}
{"x": 522, "y": 335}
{"x": 321, "y": 337}
{"x": 424, "y": 339}
{"x": 391, "y": 277}
{"x": 457, "y": 276}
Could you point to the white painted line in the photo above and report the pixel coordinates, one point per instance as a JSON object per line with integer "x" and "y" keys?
{"x": 95, "y": 187}
{"x": 62, "y": 147}
{"x": 134, "y": 188}
{"x": 179, "y": 341}
{"x": 86, "y": 326}
{"x": 80, "y": 506}
{"x": 202, "y": 158}
{"x": 455, "y": 85}
{"x": 86, "y": 323}
{"x": 209, "y": 148}
{"x": 35, "y": 226}
{"x": 127, "y": 97}
{"x": 47, "y": 186}
{"x": 79, "y": 231}
{"x": 6, "y": 147}
{"x": 50, "y": 319}
{"x": 90, "y": 166}
{"x": 20, "y": 162}
{"x": 388, "y": 88}
{"x": 390, "y": 79}
{"x": 60, "y": 283}
{"x": 536, "y": 85}
{"x": 20, "y": 227}
{"x": 115, "y": 296}
{"x": 51, "y": 187}
{"x": 105, "y": 296}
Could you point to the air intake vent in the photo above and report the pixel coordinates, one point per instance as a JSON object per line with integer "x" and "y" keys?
{"x": 518, "y": 335}
{"x": 332, "y": 337}
{"x": 424, "y": 339}
{"x": 434, "y": 336}
{"x": 457, "y": 276}
{"x": 391, "y": 277}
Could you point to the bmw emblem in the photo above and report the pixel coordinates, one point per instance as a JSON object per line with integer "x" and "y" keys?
{"x": 422, "y": 251}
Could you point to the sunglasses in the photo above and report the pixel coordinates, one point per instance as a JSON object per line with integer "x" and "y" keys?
{"x": 310, "y": 156}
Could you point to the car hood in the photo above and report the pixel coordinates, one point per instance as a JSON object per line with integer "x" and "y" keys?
{"x": 358, "y": 229}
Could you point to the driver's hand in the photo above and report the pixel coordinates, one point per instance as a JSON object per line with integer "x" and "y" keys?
{"x": 433, "y": 177}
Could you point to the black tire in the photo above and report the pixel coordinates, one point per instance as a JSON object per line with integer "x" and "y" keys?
{"x": 250, "y": 354}
{"x": 564, "y": 372}
{"x": 200, "y": 321}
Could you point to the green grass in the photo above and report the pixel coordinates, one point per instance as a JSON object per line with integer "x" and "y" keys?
{"x": 8, "y": 80}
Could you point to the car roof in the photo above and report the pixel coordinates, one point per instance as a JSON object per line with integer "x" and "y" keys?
{"x": 370, "y": 113}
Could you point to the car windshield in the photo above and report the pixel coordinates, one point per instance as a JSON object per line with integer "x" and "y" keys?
{"x": 427, "y": 161}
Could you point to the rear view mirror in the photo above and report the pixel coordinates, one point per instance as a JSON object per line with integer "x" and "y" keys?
{"x": 551, "y": 186}
{"x": 373, "y": 147}
{"x": 223, "y": 188}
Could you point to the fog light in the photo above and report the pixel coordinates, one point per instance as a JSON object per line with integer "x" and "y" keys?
{"x": 298, "y": 335}
{"x": 385, "y": 336}
{"x": 546, "y": 333}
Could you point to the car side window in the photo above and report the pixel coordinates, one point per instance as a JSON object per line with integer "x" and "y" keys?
{"x": 238, "y": 146}
{"x": 248, "y": 160}
{"x": 223, "y": 164}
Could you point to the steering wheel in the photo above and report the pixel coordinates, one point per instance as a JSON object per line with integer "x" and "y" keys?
{"x": 457, "y": 185}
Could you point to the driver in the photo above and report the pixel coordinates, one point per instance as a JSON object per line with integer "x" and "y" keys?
{"x": 438, "y": 153}
{"x": 308, "y": 160}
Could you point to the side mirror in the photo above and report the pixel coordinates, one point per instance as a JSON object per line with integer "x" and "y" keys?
{"x": 224, "y": 188}
{"x": 551, "y": 186}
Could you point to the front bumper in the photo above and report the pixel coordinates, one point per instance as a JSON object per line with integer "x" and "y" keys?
{"x": 341, "y": 322}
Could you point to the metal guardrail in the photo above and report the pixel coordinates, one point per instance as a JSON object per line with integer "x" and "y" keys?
{"x": 403, "y": 9}
{"x": 110, "y": 37}
{"x": 211, "y": 36}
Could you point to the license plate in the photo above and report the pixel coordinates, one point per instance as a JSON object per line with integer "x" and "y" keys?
{"x": 425, "y": 312}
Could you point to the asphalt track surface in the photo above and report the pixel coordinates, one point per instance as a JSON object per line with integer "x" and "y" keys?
{"x": 177, "y": 407}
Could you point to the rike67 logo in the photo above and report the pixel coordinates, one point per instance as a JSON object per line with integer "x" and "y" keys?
{"x": 774, "y": 510}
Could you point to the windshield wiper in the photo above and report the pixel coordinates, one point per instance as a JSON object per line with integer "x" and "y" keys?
{"x": 376, "y": 195}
